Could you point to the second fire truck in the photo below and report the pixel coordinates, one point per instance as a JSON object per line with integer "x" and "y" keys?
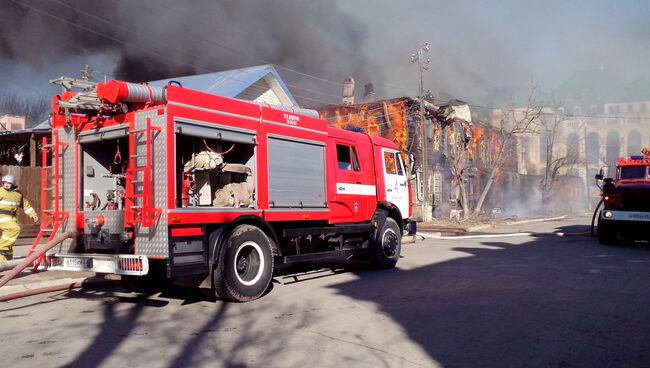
{"x": 626, "y": 200}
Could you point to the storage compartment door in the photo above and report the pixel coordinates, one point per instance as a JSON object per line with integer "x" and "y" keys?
{"x": 296, "y": 174}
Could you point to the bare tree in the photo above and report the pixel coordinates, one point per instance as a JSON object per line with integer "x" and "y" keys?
{"x": 35, "y": 110}
{"x": 513, "y": 122}
{"x": 561, "y": 155}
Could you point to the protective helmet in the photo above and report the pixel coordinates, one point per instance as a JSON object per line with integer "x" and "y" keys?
{"x": 9, "y": 179}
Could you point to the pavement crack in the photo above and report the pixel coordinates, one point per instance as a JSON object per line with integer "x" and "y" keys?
{"x": 361, "y": 345}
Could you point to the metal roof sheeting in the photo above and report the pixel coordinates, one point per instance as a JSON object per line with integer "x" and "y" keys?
{"x": 244, "y": 83}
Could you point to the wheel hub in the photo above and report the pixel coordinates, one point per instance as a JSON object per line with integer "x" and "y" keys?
{"x": 389, "y": 244}
{"x": 249, "y": 263}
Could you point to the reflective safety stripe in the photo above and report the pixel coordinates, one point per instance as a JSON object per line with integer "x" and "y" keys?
{"x": 4, "y": 237}
{"x": 6, "y": 218}
{"x": 8, "y": 203}
{"x": 29, "y": 210}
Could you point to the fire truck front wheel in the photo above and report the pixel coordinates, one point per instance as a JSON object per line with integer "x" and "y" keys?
{"x": 387, "y": 247}
{"x": 245, "y": 265}
{"x": 607, "y": 233}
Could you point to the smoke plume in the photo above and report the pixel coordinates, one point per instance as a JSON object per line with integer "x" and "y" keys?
{"x": 141, "y": 42}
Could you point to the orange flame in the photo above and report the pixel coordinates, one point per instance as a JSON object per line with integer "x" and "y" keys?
{"x": 477, "y": 136}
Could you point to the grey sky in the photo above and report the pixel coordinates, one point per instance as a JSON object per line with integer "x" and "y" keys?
{"x": 479, "y": 49}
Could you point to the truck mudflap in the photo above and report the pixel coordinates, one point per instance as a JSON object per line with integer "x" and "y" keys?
{"x": 633, "y": 216}
{"x": 119, "y": 264}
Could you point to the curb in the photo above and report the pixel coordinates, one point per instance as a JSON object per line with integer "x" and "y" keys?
{"x": 520, "y": 222}
{"x": 546, "y": 219}
{"x": 411, "y": 239}
{"x": 463, "y": 237}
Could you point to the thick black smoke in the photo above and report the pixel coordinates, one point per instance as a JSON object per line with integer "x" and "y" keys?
{"x": 167, "y": 38}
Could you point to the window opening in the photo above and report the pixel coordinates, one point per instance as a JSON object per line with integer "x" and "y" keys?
{"x": 632, "y": 172}
{"x": 347, "y": 158}
{"x": 389, "y": 163}
{"x": 400, "y": 166}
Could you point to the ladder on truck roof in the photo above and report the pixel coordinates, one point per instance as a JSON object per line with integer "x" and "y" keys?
{"x": 51, "y": 218}
{"x": 142, "y": 213}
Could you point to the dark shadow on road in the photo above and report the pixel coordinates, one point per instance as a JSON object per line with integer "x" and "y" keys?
{"x": 115, "y": 326}
{"x": 549, "y": 302}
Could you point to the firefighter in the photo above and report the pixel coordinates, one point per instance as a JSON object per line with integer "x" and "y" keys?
{"x": 10, "y": 200}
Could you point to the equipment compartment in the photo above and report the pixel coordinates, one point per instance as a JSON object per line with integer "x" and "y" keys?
{"x": 214, "y": 168}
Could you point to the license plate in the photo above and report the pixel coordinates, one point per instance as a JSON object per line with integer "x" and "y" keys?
{"x": 78, "y": 262}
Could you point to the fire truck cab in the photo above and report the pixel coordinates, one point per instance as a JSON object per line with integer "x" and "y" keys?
{"x": 163, "y": 183}
{"x": 626, "y": 199}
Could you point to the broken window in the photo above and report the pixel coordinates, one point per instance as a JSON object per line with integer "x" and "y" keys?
{"x": 437, "y": 188}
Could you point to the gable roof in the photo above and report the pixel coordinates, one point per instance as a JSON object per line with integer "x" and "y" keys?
{"x": 260, "y": 83}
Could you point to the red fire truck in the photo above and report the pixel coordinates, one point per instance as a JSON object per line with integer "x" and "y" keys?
{"x": 626, "y": 199}
{"x": 163, "y": 183}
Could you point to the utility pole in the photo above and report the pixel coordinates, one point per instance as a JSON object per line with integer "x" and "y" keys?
{"x": 422, "y": 66}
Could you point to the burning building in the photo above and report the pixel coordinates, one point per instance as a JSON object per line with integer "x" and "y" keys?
{"x": 458, "y": 152}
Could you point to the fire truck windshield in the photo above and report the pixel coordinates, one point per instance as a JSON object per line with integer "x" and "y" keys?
{"x": 632, "y": 172}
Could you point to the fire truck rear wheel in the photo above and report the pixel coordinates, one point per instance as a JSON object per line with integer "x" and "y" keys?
{"x": 387, "y": 248}
{"x": 607, "y": 234}
{"x": 245, "y": 265}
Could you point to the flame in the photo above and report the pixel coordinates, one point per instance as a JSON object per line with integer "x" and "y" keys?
{"x": 397, "y": 130}
{"x": 477, "y": 139}
{"x": 387, "y": 119}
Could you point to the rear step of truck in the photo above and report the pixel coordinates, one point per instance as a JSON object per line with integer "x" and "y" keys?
{"x": 119, "y": 264}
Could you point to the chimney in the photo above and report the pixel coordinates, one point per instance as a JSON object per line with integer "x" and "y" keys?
{"x": 368, "y": 92}
{"x": 348, "y": 91}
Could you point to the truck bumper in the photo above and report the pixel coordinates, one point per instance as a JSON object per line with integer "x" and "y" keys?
{"x": 632, "y": 224}
{"x": 626, "y": 216}
{"x": 121, "y": 264}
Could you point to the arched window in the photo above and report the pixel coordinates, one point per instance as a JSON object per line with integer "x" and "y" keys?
{"x": 592, "y": 148}
{"x": 572, "y": 146}
{"x": 634, "y": 143}
{"x": 525, "y": 149}
{"x": 613, "y": 148}
{"x": 543, "y": 146}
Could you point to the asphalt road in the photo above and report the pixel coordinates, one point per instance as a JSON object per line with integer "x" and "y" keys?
{"x": 531, "y": 301}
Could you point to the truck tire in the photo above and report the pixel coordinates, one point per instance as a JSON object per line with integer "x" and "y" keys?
{"x": 244, "y": 265}
{"x": 388, "y": 245}
{"x": 607, "y": 234}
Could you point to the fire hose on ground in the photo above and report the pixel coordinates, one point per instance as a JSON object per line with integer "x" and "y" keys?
{"x": 17, "y": 268}
{"x": 18, "y": 265}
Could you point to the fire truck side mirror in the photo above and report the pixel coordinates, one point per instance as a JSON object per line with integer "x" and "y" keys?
{"x": 599, "y": 176}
